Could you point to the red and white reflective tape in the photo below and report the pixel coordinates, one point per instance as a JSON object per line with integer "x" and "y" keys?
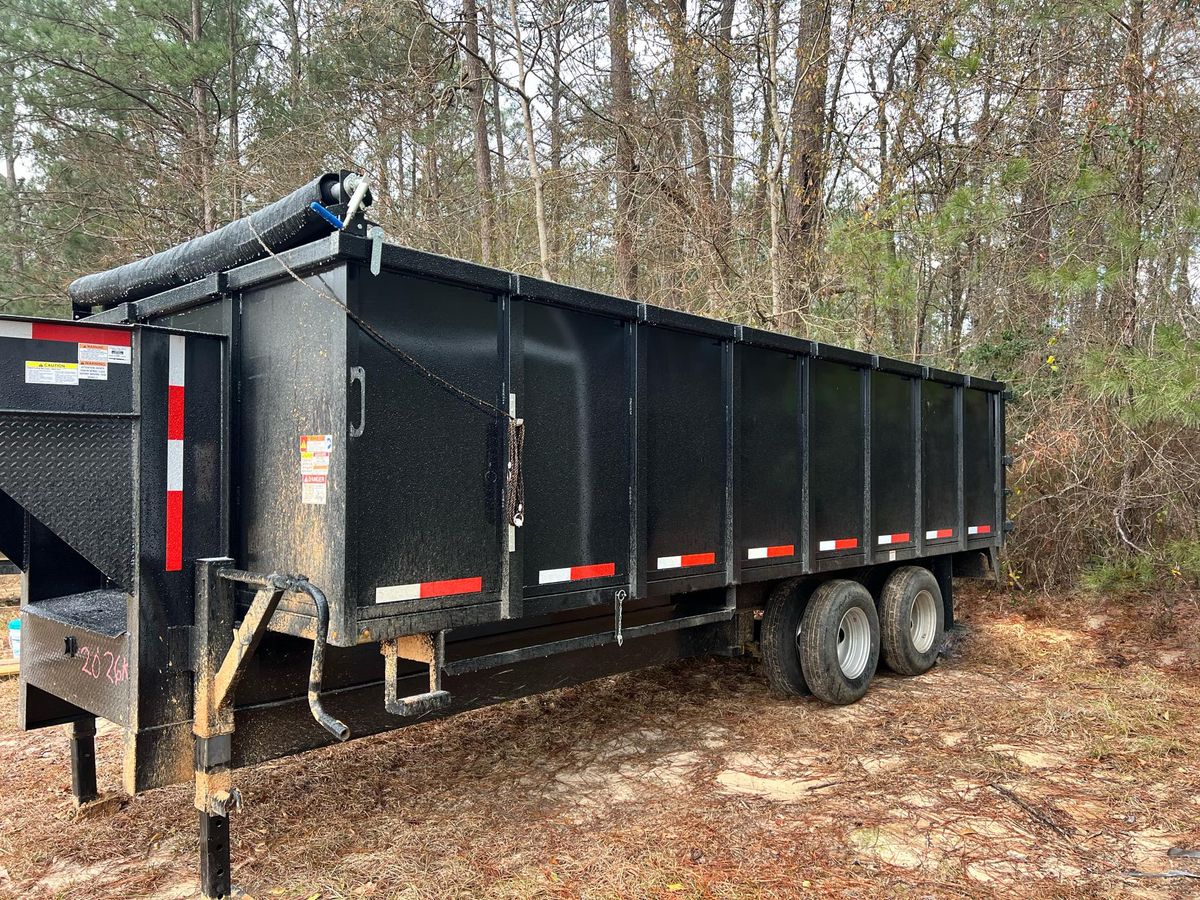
{"x": 839, "y": 544}
{"x": 771, "y": 552}
{"x": 902, "y": 538}
{"x": 176, "y": 359}
{"x": 686, "y": 560}
{"x": 69, "y": 334}
{"x": 576, "y": 573}
{"x": 427, "y": 589}
{"x": 939, "y": 534}
{"x": 979, "y": 529}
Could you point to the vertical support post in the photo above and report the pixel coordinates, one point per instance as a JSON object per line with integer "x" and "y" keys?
{"x": 512, "y": 356}
{"x": 213, "y": 749}
{"x": 960, "y": 496}
{"x": 639, "y": 564}
{"x": 943, "y": 571}
{"x": 868, "y": 526}
{"x": 919, "y": 463}
{"x": 732, "y": 382}
{"x": 83, "y": 760}
{"x": 804, "y": 374}
{"x": 214, "y": 857}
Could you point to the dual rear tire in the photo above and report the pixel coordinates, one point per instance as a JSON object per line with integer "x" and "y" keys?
{"x": 831, "y": 645}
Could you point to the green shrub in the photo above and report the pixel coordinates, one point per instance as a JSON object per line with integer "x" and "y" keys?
{"x": 1177, "y": 565}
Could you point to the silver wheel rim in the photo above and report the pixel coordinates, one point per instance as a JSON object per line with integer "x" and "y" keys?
{"x": 853, "y": 642}
{"x": 922, "y": 621}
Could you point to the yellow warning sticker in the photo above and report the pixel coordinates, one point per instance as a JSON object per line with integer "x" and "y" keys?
{"x": 51, "y": 372}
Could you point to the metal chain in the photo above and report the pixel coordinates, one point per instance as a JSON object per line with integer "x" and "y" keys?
{"x": 514, "y": 494}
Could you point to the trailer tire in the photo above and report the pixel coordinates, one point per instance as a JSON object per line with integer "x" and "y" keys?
{"x": 911, "y": 621}
{"x": 778, "y": 640}
{"x": 839, "y": 641}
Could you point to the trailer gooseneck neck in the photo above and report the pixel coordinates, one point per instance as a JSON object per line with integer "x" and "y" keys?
{"x": 493, "y": 485}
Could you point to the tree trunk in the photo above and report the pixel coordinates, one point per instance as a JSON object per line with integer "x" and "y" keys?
{"x": 1134, "y": 187}
{"x": 805, "y": 191}
{"x": 483, "y": 152}
{"x": 622, "y": 114}
{"x": 556, "y": 137}
{"x": 202, "y": 150}
{"x": 291, "y": 9}
{"x": 497, "y": 111}
{"x": 8, "y": 135}
{"x": 688, "y": 86}
{"x": 724, "y": 190}
{"x": 766, "y": 140}
{"x": 535, "y": 169}
{"x": 235, "y": 138}
{"x": 774, "y": 171}
{"x": 1042, "y": 143}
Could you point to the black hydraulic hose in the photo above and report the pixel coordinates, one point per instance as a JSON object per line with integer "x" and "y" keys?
{"x": 336, "y": 727}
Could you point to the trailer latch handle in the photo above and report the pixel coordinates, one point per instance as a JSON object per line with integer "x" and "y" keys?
{"x": 359, "y": 374}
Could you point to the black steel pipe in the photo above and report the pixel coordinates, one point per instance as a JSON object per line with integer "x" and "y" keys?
{"x": 316, "y": 671}
{"x": 336, "y": 727}
{"x": 83, "y": 760}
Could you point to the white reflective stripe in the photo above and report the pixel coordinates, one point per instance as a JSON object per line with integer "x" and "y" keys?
{"x": 827, "y": 545}
{"x": 553, "y": 576}
{"x": 979, "y": 529}
{"x": 757, "y": 553}
{"x": 396, "y": 592}
{"x": 175, "y": 360}
{"x": 174, "y": 465}
{"x": 885, "y": 539}
{"x": 670, "y": 562}
{"x": 16, "y": 330}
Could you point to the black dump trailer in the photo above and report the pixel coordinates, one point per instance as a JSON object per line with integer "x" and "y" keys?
{"x": 289, "y": 483}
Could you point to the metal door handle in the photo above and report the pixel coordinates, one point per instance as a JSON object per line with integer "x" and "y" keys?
{"x": 359, "y": 374}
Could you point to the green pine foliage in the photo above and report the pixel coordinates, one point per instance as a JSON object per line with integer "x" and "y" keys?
{"x": 1157, "y": 385}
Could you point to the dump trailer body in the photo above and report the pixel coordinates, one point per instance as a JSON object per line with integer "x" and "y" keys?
{"x": 668, "y": 461}
{"x": 506, "y": 485}
{"x": 663, "y": 452}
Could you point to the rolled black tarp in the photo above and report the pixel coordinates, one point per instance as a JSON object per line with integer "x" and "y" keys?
{"x": 283, "y": 224}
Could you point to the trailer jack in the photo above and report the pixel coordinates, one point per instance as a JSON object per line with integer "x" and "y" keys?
{"x": 219, "y": 670}
{"x": 424, "y": 648}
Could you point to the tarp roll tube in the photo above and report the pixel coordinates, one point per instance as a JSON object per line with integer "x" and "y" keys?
{"x": 283, "y": 224}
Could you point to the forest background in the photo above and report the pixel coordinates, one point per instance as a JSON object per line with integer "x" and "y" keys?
{"x": 1007, "y": 187}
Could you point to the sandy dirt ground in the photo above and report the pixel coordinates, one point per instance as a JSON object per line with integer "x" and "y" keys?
{"x": 1053, "y": 752}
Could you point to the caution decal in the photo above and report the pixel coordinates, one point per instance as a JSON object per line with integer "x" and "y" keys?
{"x": 51, "y": 372}
{"x": 315, "y": 451}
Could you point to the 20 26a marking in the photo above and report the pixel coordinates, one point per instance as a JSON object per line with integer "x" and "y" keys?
{"x": 115, "y": 665}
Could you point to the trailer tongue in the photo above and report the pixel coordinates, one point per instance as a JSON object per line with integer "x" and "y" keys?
{"x": 265, "y": 499}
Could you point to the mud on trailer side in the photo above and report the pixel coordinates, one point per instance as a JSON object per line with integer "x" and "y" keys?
{"x": 312, "y": 494}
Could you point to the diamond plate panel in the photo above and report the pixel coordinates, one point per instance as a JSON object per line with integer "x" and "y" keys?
{"x": 78, "y": 649}
{"x": 74, "y": 475}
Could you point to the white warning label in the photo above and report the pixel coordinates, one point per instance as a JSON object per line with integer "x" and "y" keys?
{"x": 93, "y": 361}
{"x": 122, "y": 355}
{"x": 315, "y": 451}
{"x": 51, "y": 372}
